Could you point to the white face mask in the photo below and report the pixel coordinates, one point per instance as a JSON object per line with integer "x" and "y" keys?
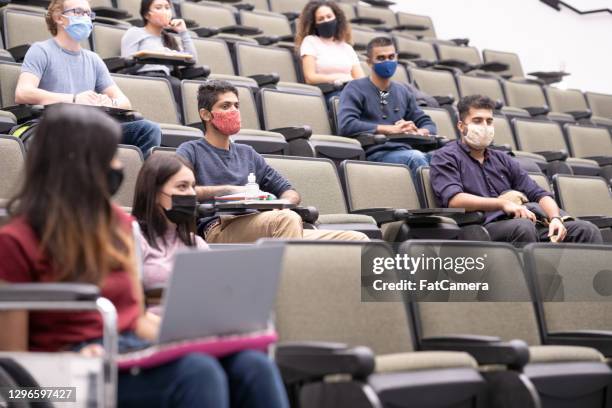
{"x": 479, "y": 136}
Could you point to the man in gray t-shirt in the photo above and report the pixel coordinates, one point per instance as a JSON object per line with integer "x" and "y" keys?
{"x": 60, "y": 70}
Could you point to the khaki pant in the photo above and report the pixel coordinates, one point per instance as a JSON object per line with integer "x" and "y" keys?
{"x": 283, "y": 224}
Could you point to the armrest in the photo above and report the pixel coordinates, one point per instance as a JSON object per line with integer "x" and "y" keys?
{"x": 115, "y": 64}
{"x": 330, "y": 87}
{"x": 48, "y": 292}
{"x": 467, "y": 218}
{"x": 190, "y": 23}
{"x": 19, "y": 52}
{"x": 367, "y": 20}
{"x": 309, "y": 215}
{"x": 205, "y": 31}
{"x": 294, "y": 132}
{"x": 598, "y": 339}
{"x": 206, "y": 210}
{"x": 601, "y": 160}
{"x": 537, "y": 110}
{"x": 22, "y": 113}
{"x": 414, "y": 140}
{"x": 548, "y": 78}
{"x": 111, "y": 12}
{"x": 202, "y": 71}
{"x": 266, "y": 39}
{"x": 579, "y": 115}
{"x": 454, "y": 63}
{"x": 291, "y": 15}
{"x": 553, "y": 155}
{"x": 240, "y": 30}
{"x": 265, "y": 79}
{"x": 411, "y": 27}
{"x": 311, "y": 361}
{"x": 485, "y": 349}
{"x": 408, "y": 55}
{"x": 461, "y": 41}
{"x": 415, "y": 216}
{"x": 370, "y": 139}
{"x": 379, "y": 3}
{"x": 599, "y": 221}
{"x": 245, "y": 6}
{"x": 287, "y": 37}
{"x": 445, "y": 100}
{"x": 493, "y": 66}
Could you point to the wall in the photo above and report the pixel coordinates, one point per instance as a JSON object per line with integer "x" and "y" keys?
{"x": 544, "y": 38}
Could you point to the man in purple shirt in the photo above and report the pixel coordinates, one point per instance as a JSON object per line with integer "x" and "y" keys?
{"x": 467, "y": 174}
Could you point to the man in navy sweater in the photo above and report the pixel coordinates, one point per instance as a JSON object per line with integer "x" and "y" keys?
{"x": 378, "y": 105}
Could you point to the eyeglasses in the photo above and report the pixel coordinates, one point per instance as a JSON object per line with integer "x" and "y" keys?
{"x": 79, "y": 12}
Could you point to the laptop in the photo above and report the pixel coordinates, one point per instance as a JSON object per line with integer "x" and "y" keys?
{"x": 220, "y": 292}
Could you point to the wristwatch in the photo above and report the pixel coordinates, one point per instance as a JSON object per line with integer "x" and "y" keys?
{"x": 557, "y": 217}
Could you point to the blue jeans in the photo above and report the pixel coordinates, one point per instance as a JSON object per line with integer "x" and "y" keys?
{"x": 247, "y": 379}
{"x": 143, "y": 134}
{"x": 409, "y": 157}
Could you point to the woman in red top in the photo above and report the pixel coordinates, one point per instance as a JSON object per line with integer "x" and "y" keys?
{"x": 65, "y": 229}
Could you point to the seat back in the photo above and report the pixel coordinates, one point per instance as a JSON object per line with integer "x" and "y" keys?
{"x": 381, "y": 13}
{"x": 541, "y": 180}
{"x": 107, "y": 40}
{"x": 378, "y": 185}
{"x": 259, "y": 4}
{"x": 539, "y": 136}
{"x": 424, "y": 49}
{"x": 284, "y": 6}
{"x": 269, "y": 23}
{"x": 521, "y": 95}
{"x": 363, "y": 35}
{"x": 348, "y": 10}
{"x": 426, "y": 190}
{"x": 585, "y": 141}
{"x": 131, "y": 6}
{"x": 279, "y": 109}
{"x": 131, "y": 158}
{"x": 505, "y": 310}
{"x": 253, "y": 60}
{"x": 318, "y": 299}
{"x": 417, "y": 20}
{"x": 600, "y": 104}
{"x": 248, "y": 110}
{"x": 9, "y": 72}
{"x": 150, "y": 96}
{"x": 207, "y": 15}
{"x": 443, "y": 121}
{"x": 573, "y": 283}
{"x": 435, "y": 83}
{"x": 12, "y": 161}
{"x": 23, "y": 28}
{"x": 472, "y": 85}
{"x": 466, "y": 54}
{"x": 217, "y": 55}
{"x": 515, "y": 68}
{"x": 583, "y": 196}
{"x": 316, "y": 180}
{"x": 565, "y": 100}
{"x": 503, "y": 132}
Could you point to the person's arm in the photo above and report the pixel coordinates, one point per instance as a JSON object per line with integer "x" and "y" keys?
{"x": 188, "y": 45}
{"x": 27, "y": 92}
{"x": 292, "y": 196}
{"x": 130, "y": 42}
{"x": 350, "y": 111}
{"x": 357, "y": 71}
{"x": 550, "y": 207}
{"x": 210, "y": 192}
{"x": 114, "y": 94}
{"x": 14, "y": 333}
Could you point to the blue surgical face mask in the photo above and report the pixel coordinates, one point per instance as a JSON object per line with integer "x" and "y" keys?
{"x": 385, "y": 69}
{"x": 79, "y": 27}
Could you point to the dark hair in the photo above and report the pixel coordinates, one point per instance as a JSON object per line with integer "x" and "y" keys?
{"x": 378, "y": 42}
{"x": 209, "y": 91}
{"x": 155, "y": 172}
{"x": 308, "y": 22}
{"x": 168, "y": 40}
{"x": 65, "y": 194}
{"x": 474, "y": 101}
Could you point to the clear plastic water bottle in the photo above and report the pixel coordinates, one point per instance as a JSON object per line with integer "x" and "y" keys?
{"x": 252, "y": 188}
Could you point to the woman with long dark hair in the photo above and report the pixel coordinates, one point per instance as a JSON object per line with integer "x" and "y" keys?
{"x": 65, "y": 229}
{"x": 156, "y": 36}
{"x": 323, "y": 41}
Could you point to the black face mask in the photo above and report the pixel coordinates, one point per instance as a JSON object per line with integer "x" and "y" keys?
{"x": 327, "y": 29}
{"x": 183, "y": 209}
{"x": 114, "y": 178}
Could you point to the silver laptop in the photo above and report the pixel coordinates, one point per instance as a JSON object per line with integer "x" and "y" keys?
{"x": 221, "y": 291}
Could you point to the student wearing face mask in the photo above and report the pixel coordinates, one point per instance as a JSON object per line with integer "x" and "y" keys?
{"x": 323, "y": 41}
{"x": 222, "y": 167}
{"x": 378, "y": 105}
{"x": 468, "y": 174}
{"x": 157, "y": 15}
{"x": 60, "y": 70}
{"x": 165, "y": 207}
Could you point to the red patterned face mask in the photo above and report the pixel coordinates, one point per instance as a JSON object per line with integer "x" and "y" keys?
{"x": 226, "y": 122}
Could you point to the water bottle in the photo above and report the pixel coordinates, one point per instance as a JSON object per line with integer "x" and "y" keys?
{"x": 252, "y": 188}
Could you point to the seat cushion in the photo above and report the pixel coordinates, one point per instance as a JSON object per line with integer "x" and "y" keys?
{"x": 304, "y": 88}
{"x": 581, "y": 162}
{"x": 601, "y": 121}
{"x": 557, "y": 354}
{"x": 182, "y": 128}
{"x": 423, "y": 360}
{"x": 335, "y": 139}
{"x": 346, "y": 219}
